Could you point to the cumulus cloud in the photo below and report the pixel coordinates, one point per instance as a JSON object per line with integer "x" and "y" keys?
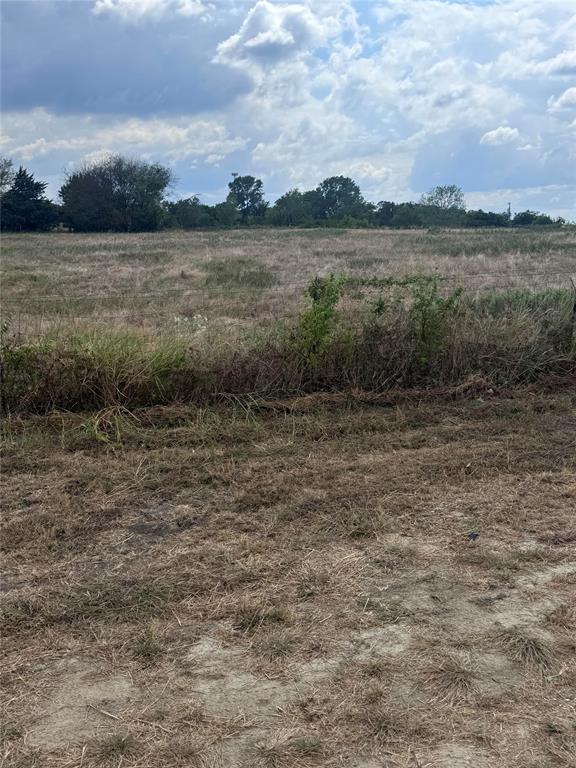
{"x": 400, "y": 94}
{"x": 566, "y": 100}
{"x": 174, "y": 140}
{"x": 272, "y": 33}
{"x": 136, "y": 10}
{"x": 502, "y": 135}
{"x": 563, "y": 64}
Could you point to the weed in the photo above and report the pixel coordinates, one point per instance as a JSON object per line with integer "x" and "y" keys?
{"x": 316, "y": 325}
{"x": 430, "y": 313}
{"x": 419, "y": 337}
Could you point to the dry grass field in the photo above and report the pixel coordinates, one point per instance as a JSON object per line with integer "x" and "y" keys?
{"x": 343, "y": 578}
{"x": 249, "y": 277}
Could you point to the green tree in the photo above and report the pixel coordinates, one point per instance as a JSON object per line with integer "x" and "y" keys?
{"x": 116, "y": 194}
{"x": 339, "y": 196}
{"x": 533, "y": 218}
{"x": 6, "y": 174}
{"x": 482, "y": 218}
{"x": 224, "y": 214}
{"x": 25, "y": 207}
{"x": 246, "y": 194}
{"x": 406, "y": 216}
{"x": 449, "y": 196}
{"x": 184, "y": 214}
{"x": 384, "y": 213}
{"x": 292, "y": 209}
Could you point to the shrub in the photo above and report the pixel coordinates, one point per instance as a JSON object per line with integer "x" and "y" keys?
{"x": 317, "y": 323}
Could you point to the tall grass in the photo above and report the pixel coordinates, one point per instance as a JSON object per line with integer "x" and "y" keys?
{"x": 385, "y": 334}
{"x": 92, "y": 369}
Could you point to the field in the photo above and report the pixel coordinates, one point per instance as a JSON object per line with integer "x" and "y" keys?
{"x": 163, "y": 281}
{"x": 313, "y": 571}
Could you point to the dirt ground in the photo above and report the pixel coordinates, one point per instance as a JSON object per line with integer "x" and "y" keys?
{"x": 312, "y": 584}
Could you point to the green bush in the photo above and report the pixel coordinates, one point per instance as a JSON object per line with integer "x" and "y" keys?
{"x": 317, "y": 323}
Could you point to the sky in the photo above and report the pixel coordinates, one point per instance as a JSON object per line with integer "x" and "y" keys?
{"x": 401, "y": 95}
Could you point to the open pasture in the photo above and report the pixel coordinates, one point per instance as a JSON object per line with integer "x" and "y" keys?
{"x": 173, "y": 280}
{"x": 340, "y": 545}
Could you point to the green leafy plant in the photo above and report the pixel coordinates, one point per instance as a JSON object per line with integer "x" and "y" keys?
{"x": 317, "y": 323}
{"x": 430, "y": 313}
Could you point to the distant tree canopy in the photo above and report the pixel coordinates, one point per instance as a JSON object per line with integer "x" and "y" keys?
{"x": 531, "y": 218}
{"x": 292, "y": 209}
{"x": 6, "y": 174}
{"x": 116, "y": 194}
{"x": 24, "y": 205}
{"x": 339, "y": 197}
{"x": 247, "y": 197}
{"x": 449, "y": 196}
{"x": 120, "y": 194}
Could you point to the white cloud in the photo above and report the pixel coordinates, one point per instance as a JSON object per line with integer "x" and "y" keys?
{"x": 566, "y": 100}
{"x": 272, "y": 33}
{"x": 136, "y": 10}
{"x": 558, "y": 200}
{"x": 329, "y": 94}
{"x": 563, "y": 64}
{"x": 175, "y": 140}
{"x": 502, "y": 135}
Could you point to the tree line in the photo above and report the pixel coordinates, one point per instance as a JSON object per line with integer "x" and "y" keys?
{"x": 119, "y": 194}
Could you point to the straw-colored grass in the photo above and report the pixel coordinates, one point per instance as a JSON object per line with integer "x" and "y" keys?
{"x": 291, "y": 586}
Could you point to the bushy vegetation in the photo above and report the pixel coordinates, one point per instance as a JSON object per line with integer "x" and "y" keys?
{"x": 25, "y": 207}
{"x": 118, "y": 194}
{"x": 365, "y": 334}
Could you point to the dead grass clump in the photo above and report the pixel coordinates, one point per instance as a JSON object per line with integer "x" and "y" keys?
{"x": 147, "y": 647}
{"x": 182, "y": 752}
{"x": 564, "y": 616}
{"x": 387, "y": 723}
{"x": 291, "y": 752}
{"x": 312, "y": 581}
{"x": 387, "y": 612}
{"x": 123, "y": 600}
{"x": 354, "y": 519}
{"x": 450, "y": 680}
{"x": 249, "y": 617}
{"x": 112, "y": 748}
{"x": 243, "y": 272}
{"x": 527, "y": 648}
{"x": 377, "y": 669}
{"x": 273, "y": 645}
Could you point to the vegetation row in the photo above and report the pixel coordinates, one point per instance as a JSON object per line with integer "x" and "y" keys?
{"x": 368, "y": 334}
{"x": 119, "y": 194}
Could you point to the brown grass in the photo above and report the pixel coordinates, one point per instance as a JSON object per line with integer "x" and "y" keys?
{"x": 172, "y": 280}
{"x": 282, "y": 577}
{"x": 292, "y": 586}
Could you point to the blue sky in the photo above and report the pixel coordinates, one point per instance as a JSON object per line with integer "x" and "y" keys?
{"x": 399, "y": 94}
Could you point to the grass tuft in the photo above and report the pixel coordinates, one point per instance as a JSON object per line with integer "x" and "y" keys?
{"x": 113, "y": 747}
{"x": 451, "y": 680}
{"x": 527, "y": 648}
